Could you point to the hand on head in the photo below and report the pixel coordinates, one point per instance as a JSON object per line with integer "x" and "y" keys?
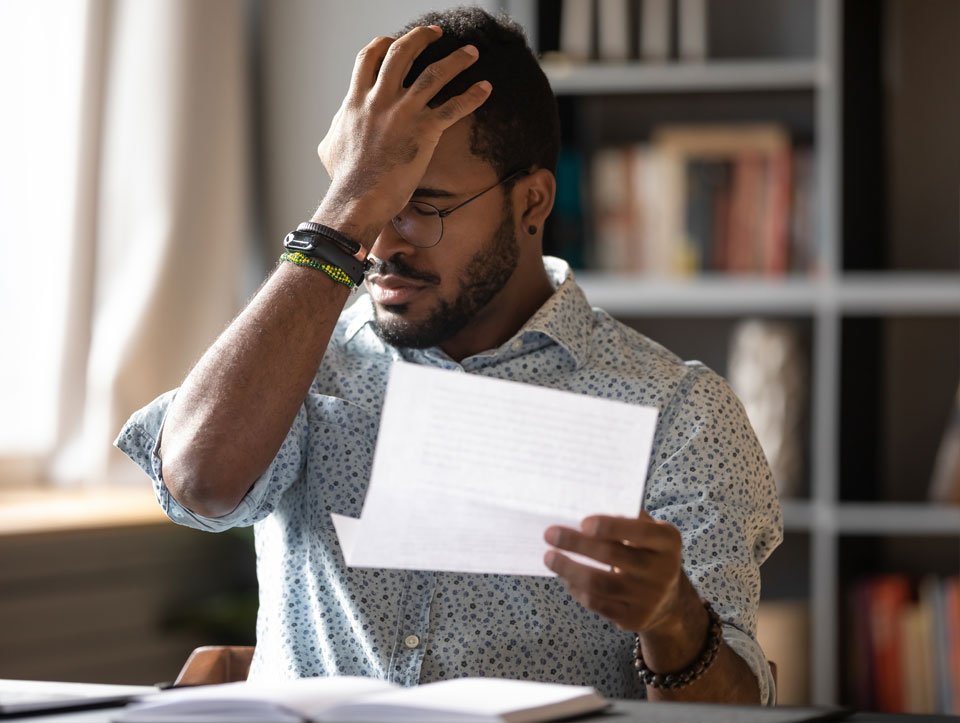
{"x": 383, "y": 136}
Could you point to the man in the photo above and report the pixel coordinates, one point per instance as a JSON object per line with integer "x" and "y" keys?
{"x": 441, "y": 160}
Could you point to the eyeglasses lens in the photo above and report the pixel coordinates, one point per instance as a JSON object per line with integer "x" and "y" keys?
{"x": 419, "y": 224}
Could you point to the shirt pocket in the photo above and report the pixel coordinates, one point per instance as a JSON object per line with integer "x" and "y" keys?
{"x": 341, "y": 437}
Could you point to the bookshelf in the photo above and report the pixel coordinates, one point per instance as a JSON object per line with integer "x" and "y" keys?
{"x": 858, "y": 296}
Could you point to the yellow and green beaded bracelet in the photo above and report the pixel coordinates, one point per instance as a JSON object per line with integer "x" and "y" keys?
{"x": 334, "y": 272}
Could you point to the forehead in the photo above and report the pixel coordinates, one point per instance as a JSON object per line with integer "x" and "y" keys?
{"x": 453, "y": 164}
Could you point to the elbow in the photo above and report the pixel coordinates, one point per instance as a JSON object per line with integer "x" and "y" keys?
{"x": 196, "y": 484}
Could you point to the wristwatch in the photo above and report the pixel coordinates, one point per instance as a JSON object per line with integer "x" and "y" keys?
{"x": 330, "y": 246}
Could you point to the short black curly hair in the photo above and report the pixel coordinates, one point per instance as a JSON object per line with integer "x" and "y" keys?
{"x": 518, "y": 127}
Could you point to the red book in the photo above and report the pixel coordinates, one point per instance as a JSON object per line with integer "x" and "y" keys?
{"x": 889, "y": 595}
{"x": 776, "y": 235}
{"x": 746, "y": 205}
{"x": 951, "y": 615}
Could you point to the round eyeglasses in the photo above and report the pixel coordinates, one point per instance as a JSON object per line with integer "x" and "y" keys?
{"x": 421, "y": 224}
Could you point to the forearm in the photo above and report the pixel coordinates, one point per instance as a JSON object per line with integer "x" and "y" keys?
{"x": 728, "y": 680}
{"x": 234, "y": 409}
{"x": 680, "y": 642}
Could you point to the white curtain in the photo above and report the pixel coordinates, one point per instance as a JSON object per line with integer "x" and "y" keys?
{"x": 127, "y": 214}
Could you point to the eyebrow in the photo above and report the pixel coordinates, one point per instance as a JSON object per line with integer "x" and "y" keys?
{"x": 434, "y": 193}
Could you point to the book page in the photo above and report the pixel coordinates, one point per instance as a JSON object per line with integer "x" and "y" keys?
{"x": 275, "y": 701}
{"x": 473, "y": 699}
{"x": 470, "y": 471}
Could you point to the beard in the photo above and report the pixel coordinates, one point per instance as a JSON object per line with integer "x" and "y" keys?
{"x": 485, "y": 274}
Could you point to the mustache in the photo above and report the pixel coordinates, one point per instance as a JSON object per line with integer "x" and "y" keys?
{"x": 397, "y": 267}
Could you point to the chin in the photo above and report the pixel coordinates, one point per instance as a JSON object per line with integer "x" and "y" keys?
{"x": 392, "y": 309}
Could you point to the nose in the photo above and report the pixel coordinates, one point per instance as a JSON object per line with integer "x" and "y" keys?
{"x": 389, "y": 243}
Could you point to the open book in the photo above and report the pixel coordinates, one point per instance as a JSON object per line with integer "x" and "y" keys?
{"x": 472, "y": 700}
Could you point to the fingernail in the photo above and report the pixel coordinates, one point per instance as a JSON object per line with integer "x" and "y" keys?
{"x": 552, "y": 535}
{"x": 548, "y": 558}
{"x": 471, "y": 50}
{"x": 484, "y": 85}
{"x": 436, "y": 27}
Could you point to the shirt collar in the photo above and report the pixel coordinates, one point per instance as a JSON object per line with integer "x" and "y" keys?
{"x": 566, "y": 317}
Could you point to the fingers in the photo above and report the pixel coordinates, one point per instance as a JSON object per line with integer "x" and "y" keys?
{"x": 586, "y": 578}
{"x": 643, "y": 532}
{"x": 366, "y": 68}
{"x": 385, "y": 62}
{"x": 615, "y": 553}
{"x": 626, "y": 600}
{"x": 403, "y": 51}
{"x": 438, "y": 74}
{"x": 464, "y": 104}
{"x": 645, "y": 558}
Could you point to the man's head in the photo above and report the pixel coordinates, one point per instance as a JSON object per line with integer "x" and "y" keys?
{"x": 487, "y": 264}
{"x": 518, "y": 125}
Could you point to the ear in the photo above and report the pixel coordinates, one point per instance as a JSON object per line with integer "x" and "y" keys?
{"x": 533, "y": 197}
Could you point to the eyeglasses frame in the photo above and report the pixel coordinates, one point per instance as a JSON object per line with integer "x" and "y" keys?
{"x": 442, "y": 214}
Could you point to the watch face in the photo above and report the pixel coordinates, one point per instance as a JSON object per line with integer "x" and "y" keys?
{"x": 297, "y": 244}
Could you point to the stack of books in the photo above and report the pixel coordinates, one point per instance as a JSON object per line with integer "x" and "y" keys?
{"x": 905, "y": 644}
{"x": 627, "y": 30}
{"x": 730, "y": 199}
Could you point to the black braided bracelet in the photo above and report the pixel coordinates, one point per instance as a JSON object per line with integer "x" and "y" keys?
{"x": 693, "y": 672}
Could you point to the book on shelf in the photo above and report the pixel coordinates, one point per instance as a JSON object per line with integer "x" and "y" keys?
{"x": 932, "y": 597}
{"x": 916, "y": 669}
{"x": 613, "y": 29}
{"x": 624, "y": 30}
{"x": 695, "y": 198}
{"x": 692, "y": 29}
{"x": 903, "y": 644}
{"x": 951, "y": 626}
{"x": 945, "y": 481}
{"x": 576, "y": 29}
{"x": 345, "y": 698}
{"x": 655, "y": 31}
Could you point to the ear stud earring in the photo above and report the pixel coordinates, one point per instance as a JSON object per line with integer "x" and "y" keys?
{"x": 531, "y": 230}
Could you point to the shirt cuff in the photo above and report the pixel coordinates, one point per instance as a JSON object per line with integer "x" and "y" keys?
{"x": 749, "y": 649}
{"x": 140, "y": 440}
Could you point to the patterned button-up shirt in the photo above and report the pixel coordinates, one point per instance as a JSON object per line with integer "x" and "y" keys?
{"x": 707, "y": 476}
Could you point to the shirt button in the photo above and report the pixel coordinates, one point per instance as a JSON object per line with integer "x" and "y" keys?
{"x": 411, "y": 641}
{"x": 517, "y": 345}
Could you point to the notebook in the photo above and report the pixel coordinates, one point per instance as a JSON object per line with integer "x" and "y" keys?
{"x": 345, "y": 698}
{"x": 19, "y": 697}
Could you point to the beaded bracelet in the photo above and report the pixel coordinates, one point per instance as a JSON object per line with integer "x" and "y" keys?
{"x": 693, "y": 672}
{"x": 334, "y": 272}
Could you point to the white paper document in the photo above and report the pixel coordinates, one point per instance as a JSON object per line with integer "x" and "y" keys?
{"x": 470, "y": 471}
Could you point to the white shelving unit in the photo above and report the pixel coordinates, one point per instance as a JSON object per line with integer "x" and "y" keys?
{"x": 718, "y": 295}
{"x": 825, "y": 299}
{"x": 683, "y": 78}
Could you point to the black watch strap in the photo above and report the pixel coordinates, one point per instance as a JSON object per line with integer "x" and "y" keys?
{"x": 348, "y": 244}
{"x": 327, "y": 250}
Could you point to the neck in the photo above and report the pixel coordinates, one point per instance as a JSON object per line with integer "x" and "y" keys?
{"x": 521, "y": 297}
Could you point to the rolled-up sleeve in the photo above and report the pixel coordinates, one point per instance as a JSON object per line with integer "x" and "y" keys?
{"x": 710, "y": 479}
{"x": 140, "y": 437}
